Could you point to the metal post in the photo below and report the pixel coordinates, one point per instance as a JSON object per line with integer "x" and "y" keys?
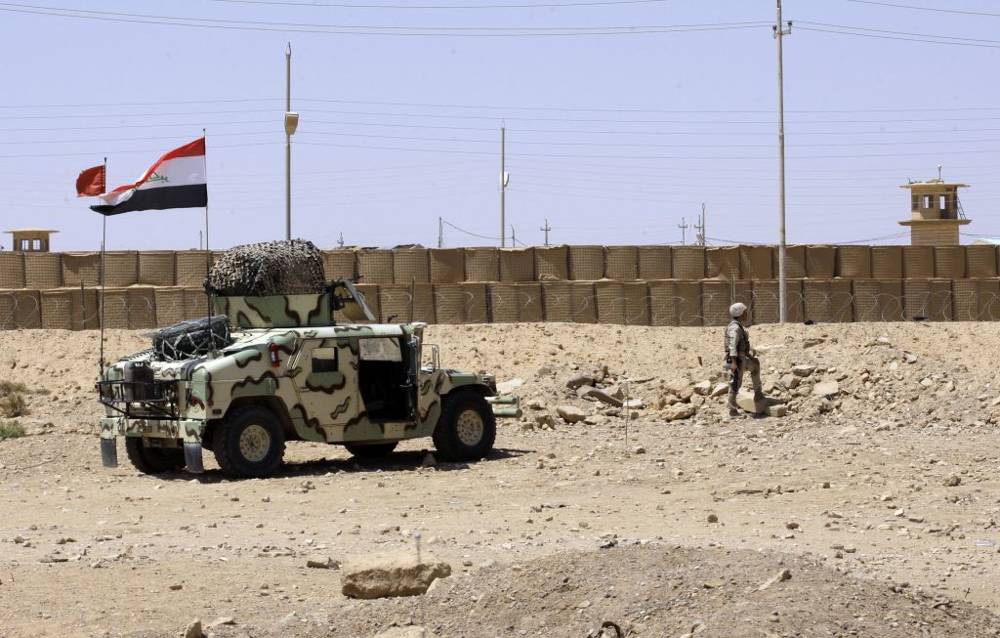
{"x": 704, "y": 230}
{"x": 288, "y": 144}
{"x": 503, "y": 186}
{"x": 779, "y": 33}
{"x": 683, "y": 226}
{"x": 208, "y": 252}
{"x": 104, "y": 241}
{"x": 440, "y": 232}
{"x": 546, "y": 228}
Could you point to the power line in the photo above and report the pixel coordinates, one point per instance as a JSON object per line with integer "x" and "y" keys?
{"x": 52, "y": 116}
{"x": 643, "y": 144}
{"x": 645, "y": 157}
{"x": 119, "y": 126}
{"x": 926, "y": 39}
{"x": 519, "y": 118}
{"x": 905, "y": 33}
{"x": 126, "y": 151}
{"x": 933, "y": 9}
{"x": 506, "y": 108}
{"x": 341, "y": 5}
{"x": 130, "y": 139}
{"x": 337, "y": 29}
{"x": 116, "y": 104}
{"x": 470, "y": 233}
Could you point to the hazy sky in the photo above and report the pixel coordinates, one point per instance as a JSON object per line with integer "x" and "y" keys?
{"x": 612, "y": 137}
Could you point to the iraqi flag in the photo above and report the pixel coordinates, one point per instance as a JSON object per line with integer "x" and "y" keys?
{"x": 176, "y": 180}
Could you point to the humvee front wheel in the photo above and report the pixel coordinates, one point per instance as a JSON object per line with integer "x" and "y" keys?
{"x": 153, "y": 460}
{"x": 374, "y": 451}
{"x": 249, "y": 443}
{"x": 467, "y": 428}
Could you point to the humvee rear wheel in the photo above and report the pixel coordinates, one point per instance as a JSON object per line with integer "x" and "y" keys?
{"x": 153, "y": 460}
{"x": 467, "y": 428}
{"x": 249, "y": 442}
{"x": 374, "y": 451}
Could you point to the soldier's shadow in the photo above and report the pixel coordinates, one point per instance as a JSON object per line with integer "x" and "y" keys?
{"x": 405, "y": 461}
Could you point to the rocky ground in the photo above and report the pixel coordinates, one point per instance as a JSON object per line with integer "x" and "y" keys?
{"x": 876, "y": 491}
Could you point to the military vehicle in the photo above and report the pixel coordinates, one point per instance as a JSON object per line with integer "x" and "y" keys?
{"x": 271, "y": 369}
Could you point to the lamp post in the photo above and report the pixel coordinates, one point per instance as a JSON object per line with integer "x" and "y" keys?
{"x": 291, "y": 123}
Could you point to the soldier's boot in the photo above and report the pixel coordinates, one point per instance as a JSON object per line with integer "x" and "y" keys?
{"x": 734, "y": 409}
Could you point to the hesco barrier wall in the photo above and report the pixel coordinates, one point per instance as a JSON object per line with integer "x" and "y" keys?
{"x": 628, "y": 285}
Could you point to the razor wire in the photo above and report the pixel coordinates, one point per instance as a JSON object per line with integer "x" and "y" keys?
{"x": 528, "y": 303}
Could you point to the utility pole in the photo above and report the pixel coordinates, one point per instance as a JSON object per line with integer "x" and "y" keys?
{"x": 340, "y": 242}
{"x": 503, "y": 185}
{"x": 513, "y": 237}
{"x": 546, "y": 228}
{"x": 683, "y": 226}
{"x": 779, "y": 33}
{"x": 291, "y": 123}
{"x": 440, "y": 232}
{"x": 699, "y": 228}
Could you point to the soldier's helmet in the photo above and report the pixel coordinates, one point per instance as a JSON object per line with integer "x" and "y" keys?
{"x": 737, "y": 310}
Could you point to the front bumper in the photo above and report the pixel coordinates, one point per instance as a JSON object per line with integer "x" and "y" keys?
{"x": 188, "y": 431}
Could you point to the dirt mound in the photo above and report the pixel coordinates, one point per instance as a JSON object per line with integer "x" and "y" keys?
{"x": 657, "y": 591}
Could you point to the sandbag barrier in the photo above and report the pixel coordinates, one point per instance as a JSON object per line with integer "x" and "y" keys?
{"x": 660, "y": 302}
{"x": 403, "y": 266}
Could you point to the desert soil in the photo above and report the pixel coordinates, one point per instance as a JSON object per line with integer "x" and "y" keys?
{"x": 879, "y": 495}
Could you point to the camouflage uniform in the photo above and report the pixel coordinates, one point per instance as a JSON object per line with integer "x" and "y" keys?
{"x": 738, "y": 352}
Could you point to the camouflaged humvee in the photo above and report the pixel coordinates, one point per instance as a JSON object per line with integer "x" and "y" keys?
{"x": 287, "y": 371}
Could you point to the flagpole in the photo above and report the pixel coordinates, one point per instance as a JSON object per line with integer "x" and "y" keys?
{"x": 104, "y": 240}
{"x": 208, "y": 251}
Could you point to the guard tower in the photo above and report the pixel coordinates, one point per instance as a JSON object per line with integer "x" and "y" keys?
{"x": 936, "y": 212}
{"x": 31, "y": 240}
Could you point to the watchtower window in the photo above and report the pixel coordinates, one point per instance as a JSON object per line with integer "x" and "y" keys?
{"x": 927, "y": 205}
{"x": 914, "y": 202}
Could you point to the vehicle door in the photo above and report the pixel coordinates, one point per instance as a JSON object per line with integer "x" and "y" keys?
{"x": 327, "y": 385}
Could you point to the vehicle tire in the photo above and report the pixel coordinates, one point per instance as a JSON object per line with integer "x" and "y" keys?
{"x": 153, "y": 460}
{"x": 249, "y": 443}
{"x": 373, "y": 451}
{"x": 467, "y": 428}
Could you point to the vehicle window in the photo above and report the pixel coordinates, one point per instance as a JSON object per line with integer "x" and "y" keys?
{"x": 324, "y": 360}
{"x": 380, "y": 349}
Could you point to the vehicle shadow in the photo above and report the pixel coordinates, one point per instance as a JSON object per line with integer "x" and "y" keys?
{"x": 407, "y": 461}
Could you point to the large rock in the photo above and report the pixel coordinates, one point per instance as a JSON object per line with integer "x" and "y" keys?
{"x": 580, "y": 380}
{"x": 571, "y": 414}
{"x": 390, "y": 575}
{"x": 746, "y": 402}
{"x": 829, "y": 388}
{"x": 803, "y": 370}
{"x": 702, "y": 388}
{"x": 194, "y": 630}
{"x": 720, "y": 390}
{"x": 602, "y": 396}
{"x": 679, "y": 411}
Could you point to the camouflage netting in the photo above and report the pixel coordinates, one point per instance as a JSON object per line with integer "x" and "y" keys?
{"x": 268, "y": 268}
{"x": 191, "y": 338}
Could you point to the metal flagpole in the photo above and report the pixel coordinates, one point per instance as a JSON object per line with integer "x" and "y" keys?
{"x": 208, "y": 252}
{"x": 104, "y": 240}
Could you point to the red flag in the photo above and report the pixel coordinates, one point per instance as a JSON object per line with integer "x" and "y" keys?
{"x": 91, "y": 182}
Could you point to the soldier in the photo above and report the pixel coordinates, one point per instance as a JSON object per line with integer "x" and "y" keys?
{"x": 740, "y": 357}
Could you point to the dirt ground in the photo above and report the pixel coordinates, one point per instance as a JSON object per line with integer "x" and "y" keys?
{"x": 880, "y": 497}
